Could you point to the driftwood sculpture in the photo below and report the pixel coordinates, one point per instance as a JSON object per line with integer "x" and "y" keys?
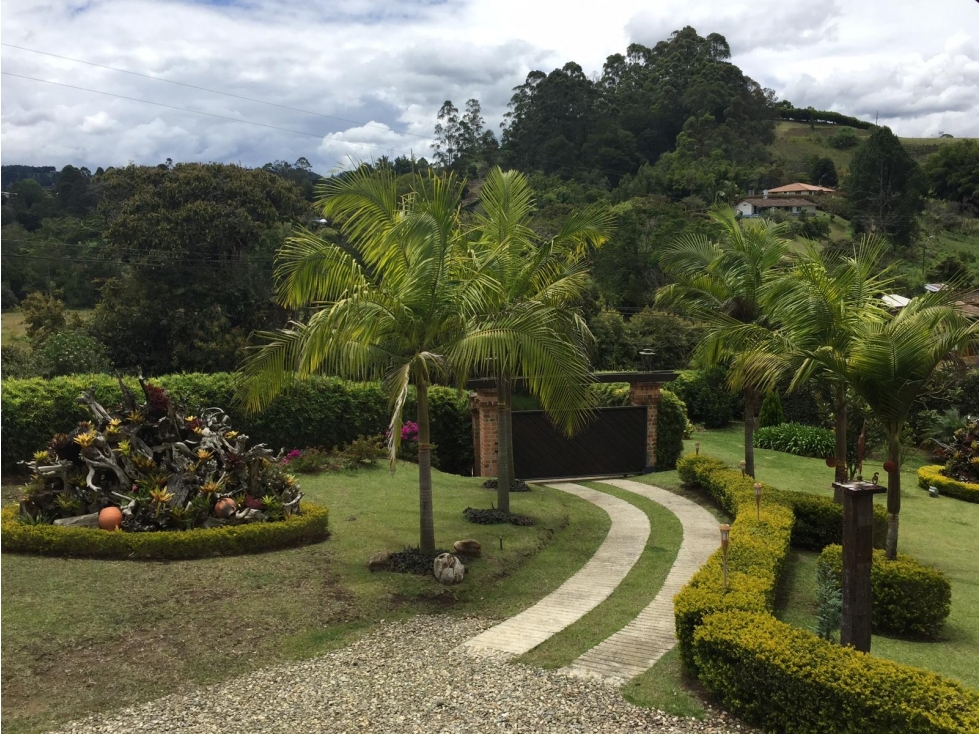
{"x": 164, "y": 468}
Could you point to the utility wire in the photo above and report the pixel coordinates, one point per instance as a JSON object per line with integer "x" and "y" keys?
{"x": 213, "y": 91}
{"x": 187, "y": 109}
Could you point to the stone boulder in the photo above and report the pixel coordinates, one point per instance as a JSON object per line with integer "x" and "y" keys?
{"x": 468, "y": 548}
{"x": 378, "y": 561}
{"x": 79, "y": 521}
{"x": 448, "y": 569}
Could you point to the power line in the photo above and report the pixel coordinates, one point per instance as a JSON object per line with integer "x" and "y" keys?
{"x": 187, "y": 109}
{"x": 214, "y": 91}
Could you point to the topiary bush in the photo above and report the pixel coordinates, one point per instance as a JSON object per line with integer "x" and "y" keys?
{"x": 310, "y": 525}
{"x": 707, "y": 396}
{"x": 931, "y": 476}
{"x": 319, "y": 411}
{"x": 909, "y": 598}
{"x": 671, "y": 428}
{"x": 771, "y": 413}
{"x": 784, "y": 679}
{"x": 794, "y": 438}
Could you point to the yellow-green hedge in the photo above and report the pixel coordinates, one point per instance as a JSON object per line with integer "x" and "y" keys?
{"x": 310, "y": 526}
{"x": 781, "y": 678}
{"x": 931, "y": 476}
{"x": 909, "y": 598}
{"x": 786, "y": 679}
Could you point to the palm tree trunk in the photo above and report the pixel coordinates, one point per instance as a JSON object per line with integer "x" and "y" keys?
{"x": 749, "y": 431}
{"x": 841, "y": 475}
{"x": 512, "y": 473}
{"x": 893, "y": 492}
{"x": 505, "y": 446}
{"x": 425, "y": 473}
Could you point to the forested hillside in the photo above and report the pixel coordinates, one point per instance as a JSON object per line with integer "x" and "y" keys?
{"x": 173, "y": 264}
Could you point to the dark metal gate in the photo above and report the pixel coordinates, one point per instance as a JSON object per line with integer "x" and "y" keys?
{"x": 614, "y": 442}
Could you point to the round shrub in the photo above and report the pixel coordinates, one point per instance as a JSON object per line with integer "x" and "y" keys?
{"x": 909, "y": 598}
{"x": 671, "y": 427}
{"x": 311, "y": 525}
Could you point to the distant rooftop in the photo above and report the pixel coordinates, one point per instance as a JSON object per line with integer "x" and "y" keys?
{"x": 801, "y": 188}
{"x": 893, "y": 300}
{"x": 934, "y": 287}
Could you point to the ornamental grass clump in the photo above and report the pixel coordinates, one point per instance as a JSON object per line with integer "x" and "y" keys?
{"x": 164, "y": 468}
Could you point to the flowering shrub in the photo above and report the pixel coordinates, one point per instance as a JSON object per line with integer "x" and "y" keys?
{"x": 409, "y": 431}
{"x": 963, "y": 461}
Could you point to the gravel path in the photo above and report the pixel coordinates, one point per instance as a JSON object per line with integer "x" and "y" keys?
{"x": 403, "y": 677}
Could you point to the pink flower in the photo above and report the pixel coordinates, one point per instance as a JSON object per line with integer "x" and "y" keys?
{"x": 409, "y": 431}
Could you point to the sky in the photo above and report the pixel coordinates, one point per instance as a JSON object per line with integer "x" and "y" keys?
{"x": 358, "y": 79}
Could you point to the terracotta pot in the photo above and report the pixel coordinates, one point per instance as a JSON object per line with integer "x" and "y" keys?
{"x": 110, "y": 518}
{"x": 225, "y": 508}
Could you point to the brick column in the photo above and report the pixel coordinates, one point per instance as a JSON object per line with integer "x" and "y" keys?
{"x": 647, "y": 393}
{"x": 483, "y": 408}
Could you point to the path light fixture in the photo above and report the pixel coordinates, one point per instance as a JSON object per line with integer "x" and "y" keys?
{"x": 696, "y": 448}
{"x": 646, "y": 359}
{"x": 744, "y": 465}
{"x": 725, "y": 537}
{"x": 758, "y": 500}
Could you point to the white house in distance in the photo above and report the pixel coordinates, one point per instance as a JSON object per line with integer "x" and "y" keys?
{"x": 754, "y": 206}
{"x": 799, "y": 189}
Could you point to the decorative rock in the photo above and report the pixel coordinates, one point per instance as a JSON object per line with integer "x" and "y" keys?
{"x": 225, "y": 508}
{"x": 378, "y": 561}
{"x": 448, "y": 569}
{"x": 468, "y": 548}
{"x": 110, "y": 518}
{"x": 79, "y": 521}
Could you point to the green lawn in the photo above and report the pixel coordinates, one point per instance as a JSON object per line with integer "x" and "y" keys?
{"x": 82, "y": 636}
{"x": 940, "y": 532}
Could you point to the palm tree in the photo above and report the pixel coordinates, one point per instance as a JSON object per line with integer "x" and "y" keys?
{"x": 820, "y": 307}
{"x": 407, "y": 301}
{"x": 721, "y": 282}
{"x": 531, "y": 272}
{"x": 890, "y": 365}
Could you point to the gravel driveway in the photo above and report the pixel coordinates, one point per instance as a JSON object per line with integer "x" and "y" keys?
{"x": 403, "y": 677}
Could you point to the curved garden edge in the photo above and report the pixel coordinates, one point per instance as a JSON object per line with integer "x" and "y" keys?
{"x": 311, "y": 525}
{"x": 931, "y": 476}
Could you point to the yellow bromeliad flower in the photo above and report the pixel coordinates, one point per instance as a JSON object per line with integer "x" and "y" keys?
{"x": 203, "y": 454}
{"x": 143, "y": 462}
{"x": 210, "y": 487}
{"x": 40, "y": 456}
{"x": 135, "y": 417}
{"x": 160, "y": 496}
{"x": 290, "y": 480}
{"x": 231, "y": 435}
{"x": 115, "y": 422}
{"x": 125, "y": 448}
{"x": 86, "y": 439}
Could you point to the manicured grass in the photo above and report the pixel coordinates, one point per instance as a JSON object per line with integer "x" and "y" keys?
{"x": 630, "y": 597}
{"x": 82, "y": 636}
{"x": 939, "y": 532}
{"x": 668, "y": 688}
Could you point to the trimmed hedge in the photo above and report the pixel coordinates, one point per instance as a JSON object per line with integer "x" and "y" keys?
{"x": 909, "y": 598}
{"x": 931, "y": 476}
{"x": 320, "y": 411}
{"x": 310, "y": 526}
{"x": 818, "y": 520}
{"x": 785, "y": 679}
{"x": 782, "y": 678}
{"x": 671, "y": 426}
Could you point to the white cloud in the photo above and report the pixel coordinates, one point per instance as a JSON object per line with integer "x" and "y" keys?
{"x": 394, "y": 63}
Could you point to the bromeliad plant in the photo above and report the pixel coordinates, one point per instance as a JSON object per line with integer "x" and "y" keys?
{"x": 164, "y": 468}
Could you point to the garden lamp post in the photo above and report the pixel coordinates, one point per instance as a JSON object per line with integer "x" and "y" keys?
{"x": 758, "y": 501}
{"x": 858, "y": 554}
{"x": 725, "y": 537}
{"x": 696, "y": 448}
{"x": 743, "y": 465}
{"x": 646, "y": 359}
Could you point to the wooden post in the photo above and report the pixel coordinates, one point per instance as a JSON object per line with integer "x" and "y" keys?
{"x": 858, "y": 555}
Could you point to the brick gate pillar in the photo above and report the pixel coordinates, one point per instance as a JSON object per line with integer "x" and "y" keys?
{"x": 647, "y": 393}
{"x": 483, "y": 408}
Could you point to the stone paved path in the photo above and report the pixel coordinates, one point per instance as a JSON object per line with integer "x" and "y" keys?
{"x": 582, "y": 592}
{"x": 637, "y": 646}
